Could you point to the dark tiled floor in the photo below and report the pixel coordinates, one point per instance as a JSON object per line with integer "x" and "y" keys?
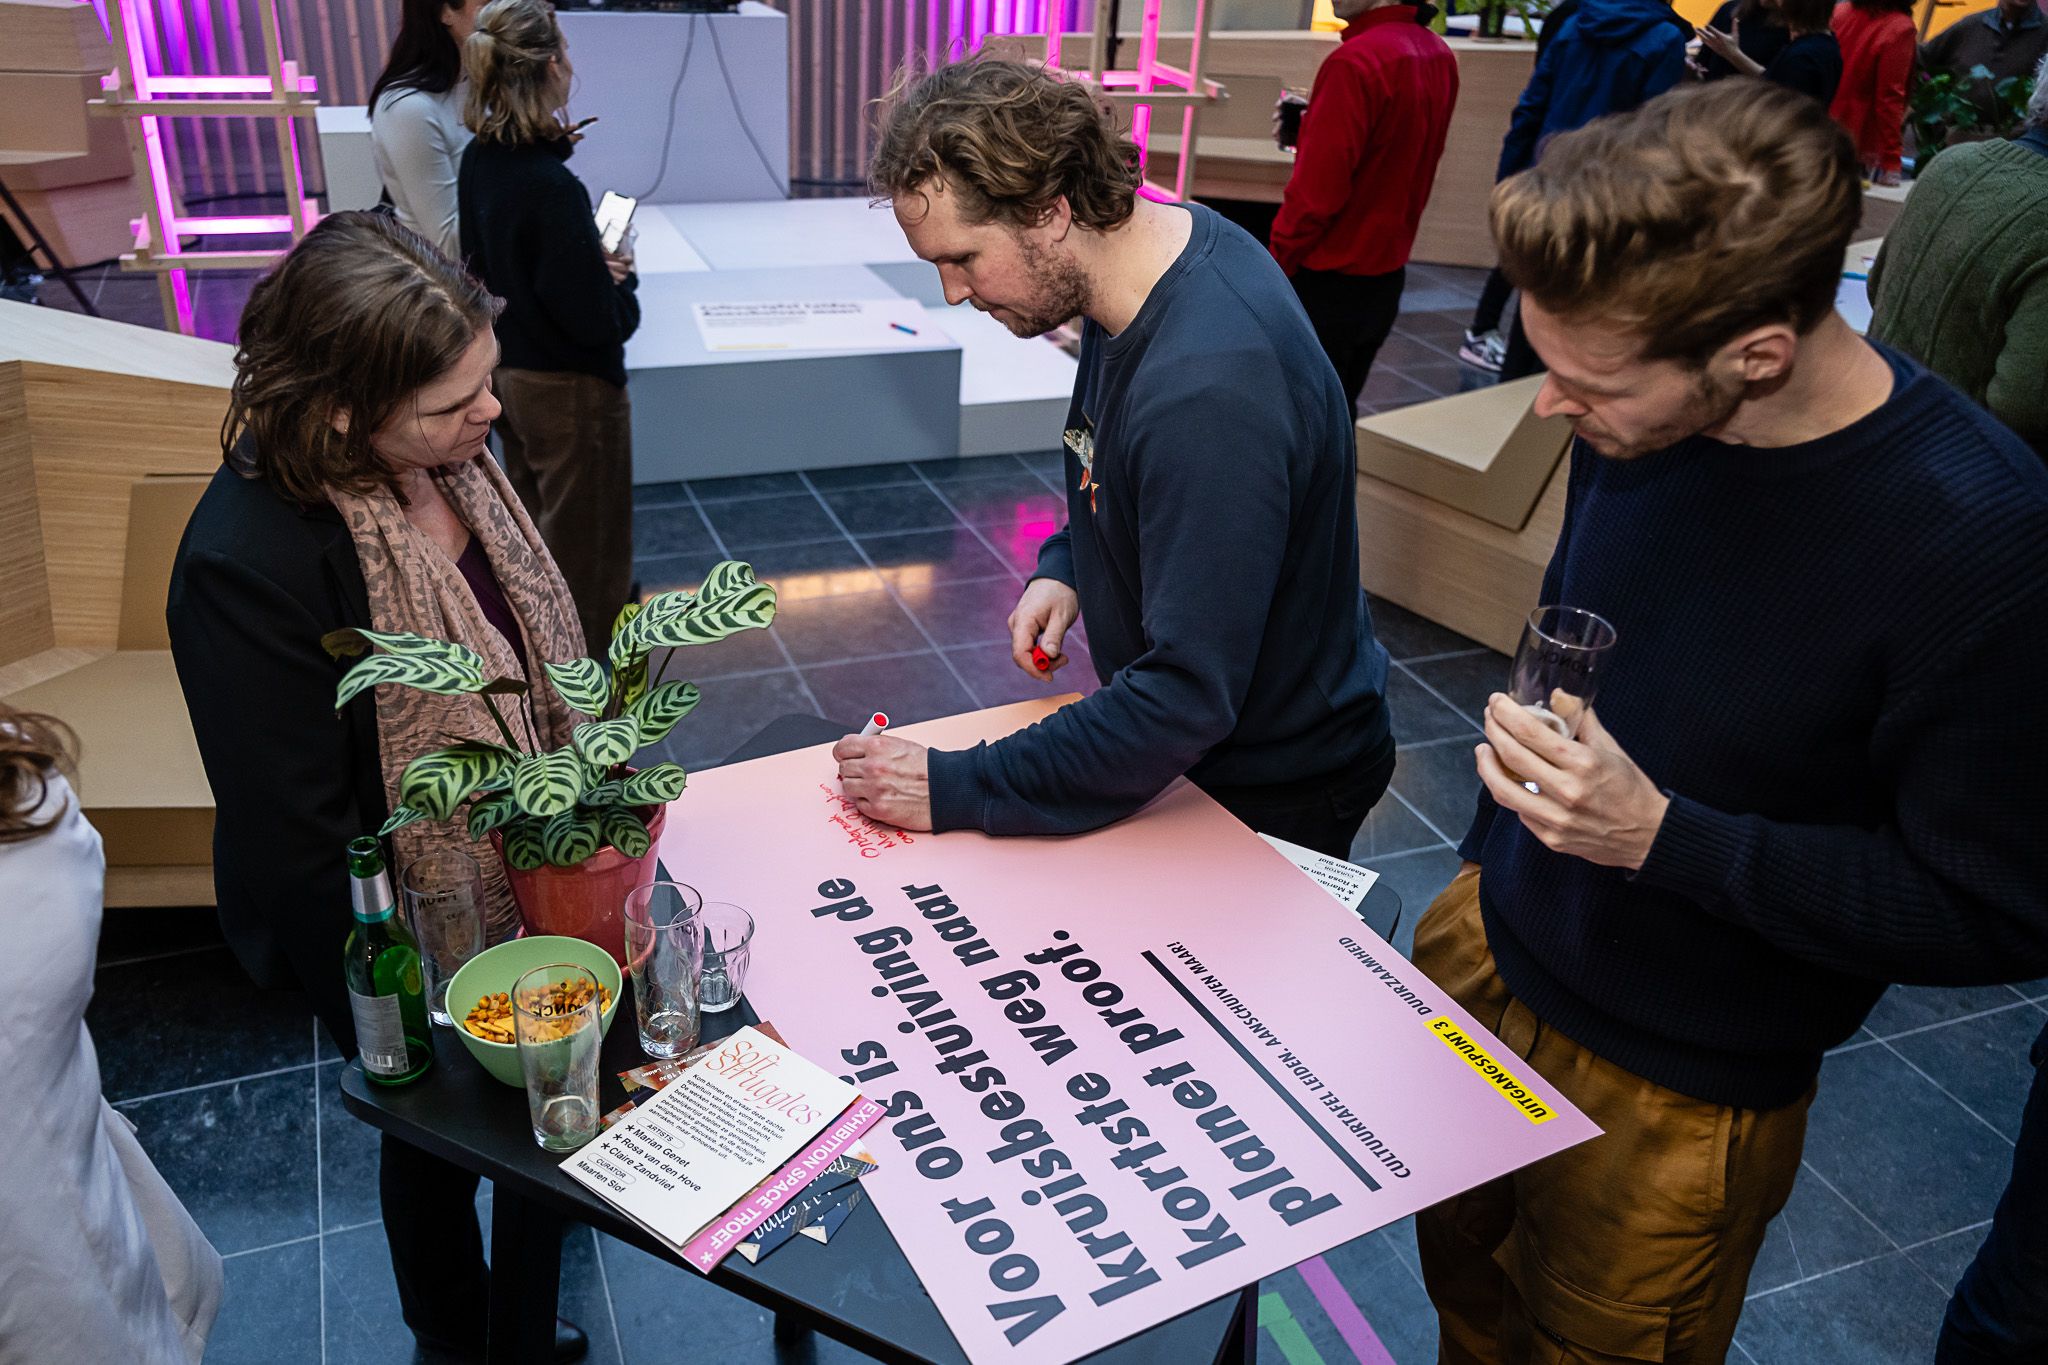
{"x": 894, "y": 582}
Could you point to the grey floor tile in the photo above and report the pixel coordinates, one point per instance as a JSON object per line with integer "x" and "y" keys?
{"x": 733, "y": 709}
{"x": 860, "y": 476}
{"x": 1945, "y": 1258}
{"x": 2034, "y": 990}
{"x": 659, "y": 494}
{"x": 1391, "y": 828}
{"x": 170, "y": 1022}
{"x": 973, "y": 612}
{"x": 1439, "y": 327}
{"x": 240, "y": 1156}
{"x": 1420, "y": 717}
{"x": 1440, "y": 782}
{"x": 673, "y": 530}
{"x": 1408, "y": 636}
{"x": 270, "y": 1309}
{"x": 363, "y": 1322}
{"x": 887, "y": 509}
{"x": 750, "y": 651}
{"x": 1389, "y": 389}
{"x": 824, "y": 629}
{"x": 1048, "y": 464}
{"x": 1009, "y": 498}
{"x": 814, "y": 568}
{"x": 1898, "y": 1149}
{"x": 1016, "y": 543}
{"x": 1416, "y": 878}
{"x": 1465, "y": 681}
{"x": 1400, "y": 351}
{"x": 748, "y": 523}
{"x": 1982, "y": 1062}
{"x": 912, "y": 688}
{"x": 939, "y": 556}
{"x": 1903, "y": 1008}
{"x": 996, "y": 681}
{"x": 746, "y": 486}
{"x": 1883, "y": 1312}
{"x": 1440, "y": 377}
{"x": 1816, "y": 1232}
{"x": 348, "y": 1158}
{"x": 969, "y": 467}
{"x": 659, "y": 1305}
{"x": 1381, "y": 1277}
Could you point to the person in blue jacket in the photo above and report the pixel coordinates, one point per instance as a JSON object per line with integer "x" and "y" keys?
{"x": 1611, "y": 56}
{"x": 1607, "y": 58}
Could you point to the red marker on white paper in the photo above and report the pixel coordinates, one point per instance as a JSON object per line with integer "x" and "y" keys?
{"x": 877, "y": 723}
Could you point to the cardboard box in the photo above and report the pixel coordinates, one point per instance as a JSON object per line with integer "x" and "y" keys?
{"x": 1484, "y": 453}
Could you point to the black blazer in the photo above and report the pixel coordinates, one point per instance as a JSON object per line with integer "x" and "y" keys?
{"x": 258, "y": 581}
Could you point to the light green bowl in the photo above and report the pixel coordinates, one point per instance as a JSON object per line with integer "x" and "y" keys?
{"x": 498, "y": 969}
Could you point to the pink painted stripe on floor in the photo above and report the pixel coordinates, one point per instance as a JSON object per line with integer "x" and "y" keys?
{"x": 1351, "y": 1324}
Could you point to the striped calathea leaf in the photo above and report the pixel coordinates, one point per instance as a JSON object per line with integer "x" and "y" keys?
{"x": 350, "y": 641}
{"x": 571, "y": 836}
{"x": 523, "y": 847}
{"x": 652, "y": 786}
{"x": 624, "y": 831}
{"x": 436, "y": 783}
{"x": 548, "y": 784}
{"x": 400, "y": 818}
{"x": 446, "y": 671}
{"x": 491, "y": 812}
{"x": 655, "y": 714}
{"x": 582, "y": 683}
{"x": 606, "y": 742}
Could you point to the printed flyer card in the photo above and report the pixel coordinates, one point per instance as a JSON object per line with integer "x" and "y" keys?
{"x": 711, "y": 1153}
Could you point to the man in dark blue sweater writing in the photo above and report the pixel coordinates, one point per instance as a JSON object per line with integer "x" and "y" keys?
{"x": 1212, "y": 537}
{"x": 1816, "y": 762}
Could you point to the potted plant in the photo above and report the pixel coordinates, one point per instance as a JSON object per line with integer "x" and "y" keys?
{"x": 576, "y": 826}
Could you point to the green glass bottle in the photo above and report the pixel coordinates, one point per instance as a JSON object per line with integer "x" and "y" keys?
{"x": 386, "y": 988}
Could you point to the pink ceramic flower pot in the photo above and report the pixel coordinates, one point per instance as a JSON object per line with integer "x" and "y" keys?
{"x": 587, "y": 901}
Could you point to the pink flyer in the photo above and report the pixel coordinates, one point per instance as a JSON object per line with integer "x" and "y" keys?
{"x": 1123, "y": 1073}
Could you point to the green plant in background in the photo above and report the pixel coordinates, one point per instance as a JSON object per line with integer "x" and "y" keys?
{"x": 560, "y": 806}
{"x": 1493, "y": 16}
{"x": 1944, "y": 110}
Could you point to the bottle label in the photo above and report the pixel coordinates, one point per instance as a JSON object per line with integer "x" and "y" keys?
{"x": 380, "y": 1034}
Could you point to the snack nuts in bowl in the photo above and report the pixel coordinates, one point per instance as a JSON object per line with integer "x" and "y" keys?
{"x": 492, "y": 973}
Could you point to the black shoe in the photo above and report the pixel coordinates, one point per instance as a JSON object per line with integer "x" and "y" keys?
{"x": 571, "y": 1343}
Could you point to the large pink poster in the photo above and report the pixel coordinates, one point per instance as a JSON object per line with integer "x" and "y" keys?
{"x": 1126, "y": 1072}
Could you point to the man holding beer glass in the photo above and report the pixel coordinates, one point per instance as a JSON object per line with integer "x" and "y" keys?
{"x": 1811, "y": 582}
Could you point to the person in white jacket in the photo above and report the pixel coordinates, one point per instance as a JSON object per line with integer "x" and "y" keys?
{"x": 98, "y": 1259}
{"x": 416, "y": 129}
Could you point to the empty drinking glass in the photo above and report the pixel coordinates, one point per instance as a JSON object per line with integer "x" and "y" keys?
{"x": 1558, "y": 666}
{"x": 664, "y": 956}
{"x": 556, "y": 1022}
{"x": 444, "y": 903}
{"x": 728, "y": 932}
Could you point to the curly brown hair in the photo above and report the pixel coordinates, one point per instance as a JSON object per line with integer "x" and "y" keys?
{"x": 513, "y": 95}
{"x": 1710, "y": 210}
{"x": 359, "y": 316}
{"x": 31, "y": 748}
{"x": 1011, "y": 139}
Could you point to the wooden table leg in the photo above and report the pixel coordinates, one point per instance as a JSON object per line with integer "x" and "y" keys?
{"x": 526, "y": 1280}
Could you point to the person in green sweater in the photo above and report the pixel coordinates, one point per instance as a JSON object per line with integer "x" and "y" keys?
{"x": 1961, "y": 283}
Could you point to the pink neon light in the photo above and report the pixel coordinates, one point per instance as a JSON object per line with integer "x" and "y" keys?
{"x": 247, "y": 226}
{"x": 221, "y": 85}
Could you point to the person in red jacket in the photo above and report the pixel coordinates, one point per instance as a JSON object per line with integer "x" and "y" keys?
{"x": 1370, "y": 141}
{"x": 1878, "y": 42}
